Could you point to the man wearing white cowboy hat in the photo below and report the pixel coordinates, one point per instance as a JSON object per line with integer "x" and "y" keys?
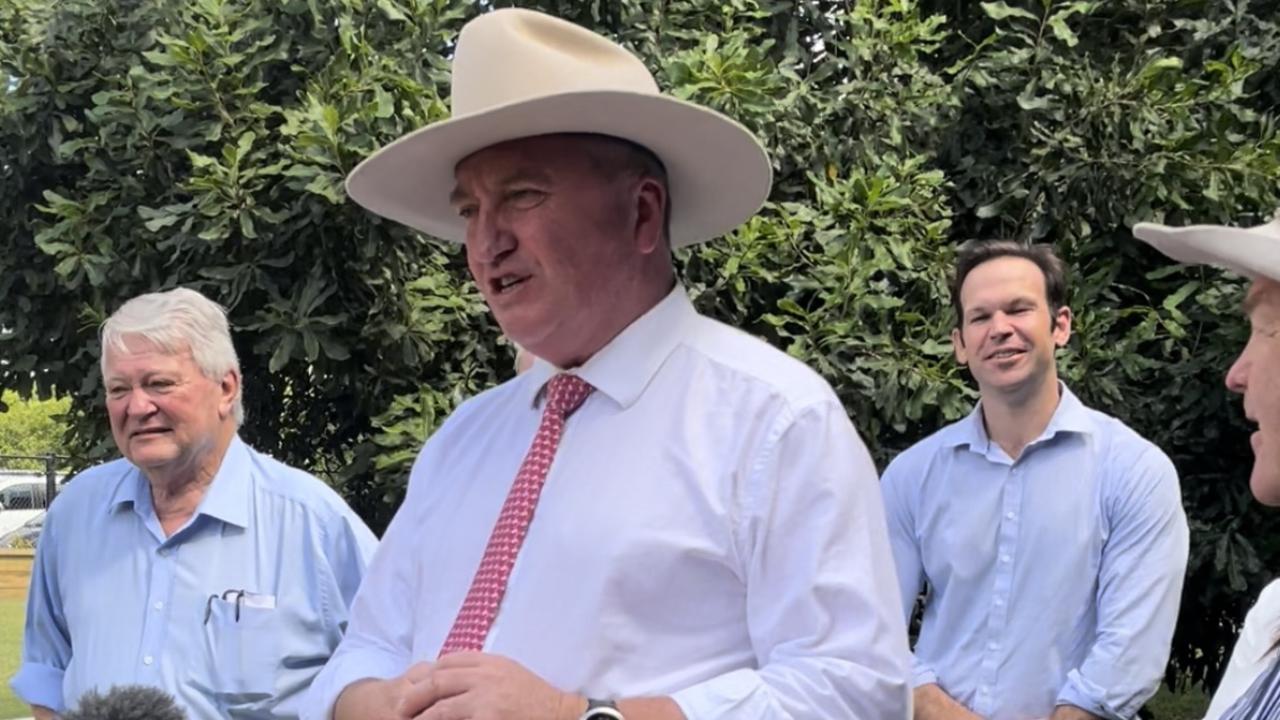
{"x": 695, "y": 530}
{"x": 1251, "y": 685}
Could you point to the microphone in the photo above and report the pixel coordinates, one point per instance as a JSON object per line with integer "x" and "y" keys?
{"x": 126, "y": 702}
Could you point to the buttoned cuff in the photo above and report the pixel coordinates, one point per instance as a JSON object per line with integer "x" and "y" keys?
{"x": 341, "y": 671}
{"x": 921, "y": 673}
{"x": 1090, "y": 697}
{"x": 39, "y": 684}
{"x": 736, "y": 694}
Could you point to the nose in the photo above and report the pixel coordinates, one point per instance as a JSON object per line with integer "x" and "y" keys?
{"x": 1000, "y": 325}
{"x": 139, "y": 403}
{"x": 1238, "y": 375}
{"x": 489, "y": 238}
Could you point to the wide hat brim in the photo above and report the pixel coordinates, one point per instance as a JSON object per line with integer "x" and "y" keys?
{"x": 1252, "y": 252}
{"x": 718, "y": 173}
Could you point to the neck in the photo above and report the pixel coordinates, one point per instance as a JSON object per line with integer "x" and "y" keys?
{"x": 1013, "y": 420}
{"x": 176, "y": 492}
{"x": 646, "y": 295}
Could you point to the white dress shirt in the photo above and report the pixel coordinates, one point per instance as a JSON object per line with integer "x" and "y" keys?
{"x": 1252, "y": 654}
{"x": 711, "y": 529}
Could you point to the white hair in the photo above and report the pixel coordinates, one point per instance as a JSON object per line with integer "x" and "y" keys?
{"x": 178, "y": 321}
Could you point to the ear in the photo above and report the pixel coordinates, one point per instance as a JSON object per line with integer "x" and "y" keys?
{"x": 957, "y": 346}
{"x": 1062, "y": 326}
{"x": 228, "y": 390}
{"x": 651, "y": 213}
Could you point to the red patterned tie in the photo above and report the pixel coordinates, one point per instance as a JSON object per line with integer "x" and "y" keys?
{"x": 564, "y": 394}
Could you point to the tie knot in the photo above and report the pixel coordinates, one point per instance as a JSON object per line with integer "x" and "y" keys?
{"x": 565, "y": 393}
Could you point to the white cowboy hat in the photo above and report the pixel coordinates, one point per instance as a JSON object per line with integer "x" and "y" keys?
{"x": 1253, "y": 252}
{"x": 519, "y": 73}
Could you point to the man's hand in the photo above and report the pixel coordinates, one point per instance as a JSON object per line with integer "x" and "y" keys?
{"x": 373, "y": 699}
{"x": 40, "y": 712}
{"x": 1071, "y": 712}
{"x": 933, "y": 703}
{"x": 478, "y": 686}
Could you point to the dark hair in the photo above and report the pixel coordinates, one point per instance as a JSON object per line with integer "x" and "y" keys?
{"x": 617, "y": 155}
{"x": 976, "y": 252}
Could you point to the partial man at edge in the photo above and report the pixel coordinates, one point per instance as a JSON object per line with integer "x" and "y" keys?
{"x": 1250, "y": 689}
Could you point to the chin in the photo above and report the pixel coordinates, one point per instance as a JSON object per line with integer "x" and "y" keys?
{"x": 517, "y": 325}
{"x": 152, "y": 458}
{"x": 1265, "y": 483}
{"x": 1006, "y": 383}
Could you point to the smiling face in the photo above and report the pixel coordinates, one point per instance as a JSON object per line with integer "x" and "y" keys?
{"x": 166, "y": 416}
{"x": 1007, "y": 334}
{"x": 565, "y": 251}
{"x": 1256, "y": 376}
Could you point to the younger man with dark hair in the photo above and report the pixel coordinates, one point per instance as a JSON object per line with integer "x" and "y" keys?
{"x": 1051, "y": 537}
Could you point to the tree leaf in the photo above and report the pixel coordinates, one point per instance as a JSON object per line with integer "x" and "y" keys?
{"x": 1003, "y": 11}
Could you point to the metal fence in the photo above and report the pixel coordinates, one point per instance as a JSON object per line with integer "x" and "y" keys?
{"x": 29, "y": 489}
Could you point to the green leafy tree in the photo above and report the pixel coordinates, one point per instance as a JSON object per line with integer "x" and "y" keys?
{"x": 1078, "y": 120}
{"x": 204, "y": 142}
{"x": 30, "y": 428}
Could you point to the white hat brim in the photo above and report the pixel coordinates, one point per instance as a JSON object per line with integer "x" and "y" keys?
{"x": 1252, "y": 252}
{"x": 718, "y": 173}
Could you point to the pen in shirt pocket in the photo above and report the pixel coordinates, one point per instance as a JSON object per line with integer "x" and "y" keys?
{"x": 241, "y": 599}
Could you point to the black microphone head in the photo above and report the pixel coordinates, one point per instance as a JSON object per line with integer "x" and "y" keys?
{"x": 126, "y": 702}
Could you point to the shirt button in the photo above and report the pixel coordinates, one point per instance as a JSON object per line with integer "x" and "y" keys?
{"x": 1005, "y": 558}
{"x": 159, "y": 605}
{"x": 1010, "y": 515}
{"x": 983, "y": 690}
{"x": 999, "y": 602}
{"x": 148, "y": 660}
{"x": 993, "y": 646}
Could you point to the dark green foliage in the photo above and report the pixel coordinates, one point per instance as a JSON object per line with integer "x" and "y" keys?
{"x": 203, "y": 142}
{"x": 151, "y": 144}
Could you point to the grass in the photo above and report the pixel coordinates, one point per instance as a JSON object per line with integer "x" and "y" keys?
{"x": 12, "y": 612}
{"x": 1187, "y": 705}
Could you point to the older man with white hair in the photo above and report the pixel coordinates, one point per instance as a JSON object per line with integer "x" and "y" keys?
{"x": 695, "y": 530}
{"x": 193, "y": 564}
{"x": 1251, "y": 687}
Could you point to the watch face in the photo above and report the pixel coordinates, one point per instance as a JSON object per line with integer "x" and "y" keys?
{"x": 602, "y": 712}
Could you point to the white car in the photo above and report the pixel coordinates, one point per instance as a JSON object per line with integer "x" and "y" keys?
{"x": 23, "y": 499}
{"x": 26, "y": 533}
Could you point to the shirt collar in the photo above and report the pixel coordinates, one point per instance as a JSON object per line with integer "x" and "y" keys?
{"x": 227, "y": 498}
{"x": 623, "y": 368}
{"x": 1071, "y": 416}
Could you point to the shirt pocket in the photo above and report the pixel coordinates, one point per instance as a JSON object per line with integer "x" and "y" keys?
{"x": 242, "y": 643}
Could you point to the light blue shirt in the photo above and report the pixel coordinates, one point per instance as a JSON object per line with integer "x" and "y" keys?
{"x": 113, "y": 601}
{"x": 1053, "y": 579}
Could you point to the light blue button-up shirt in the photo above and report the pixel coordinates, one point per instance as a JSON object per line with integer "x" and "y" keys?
{"x": 1053, "y": 579}
{"x": 113, "y": 601}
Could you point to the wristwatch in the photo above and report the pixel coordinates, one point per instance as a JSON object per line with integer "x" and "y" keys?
{"x": 601, "y": 710}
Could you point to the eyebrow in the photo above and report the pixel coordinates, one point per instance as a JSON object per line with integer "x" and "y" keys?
{"x": 526, "y": 175}
{"x": 457, "y": 195}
